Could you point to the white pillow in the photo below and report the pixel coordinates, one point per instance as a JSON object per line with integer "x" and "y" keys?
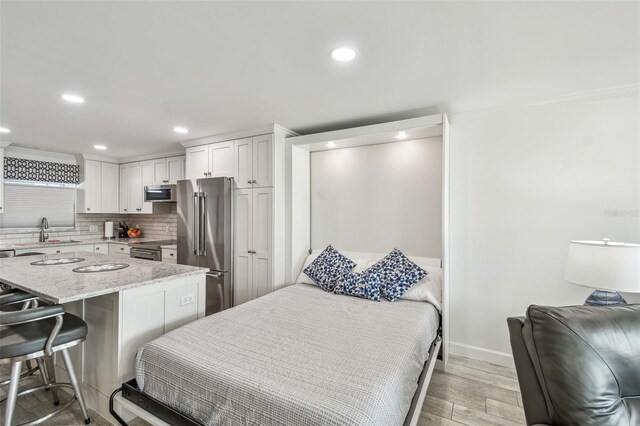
{"x": 361, "y": 265}
{"x": 428, "y": 289}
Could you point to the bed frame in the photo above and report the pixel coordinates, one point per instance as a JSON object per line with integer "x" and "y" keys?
{"x": 160, "y": 414}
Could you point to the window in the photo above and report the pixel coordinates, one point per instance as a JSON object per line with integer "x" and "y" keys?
{"x": 26, "y": 203}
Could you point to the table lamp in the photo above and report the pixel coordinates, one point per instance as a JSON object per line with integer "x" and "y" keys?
{"x": 606, "y": 266}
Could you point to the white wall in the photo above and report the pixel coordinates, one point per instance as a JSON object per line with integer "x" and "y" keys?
{"x": 374, "y": 198}
{"x": 524, "y": 183}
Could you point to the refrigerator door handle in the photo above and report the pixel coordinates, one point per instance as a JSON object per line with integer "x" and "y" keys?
{"x": 202, "y": 204}
{"x": 196, "y": 224}
{"x": 215, "y": 274}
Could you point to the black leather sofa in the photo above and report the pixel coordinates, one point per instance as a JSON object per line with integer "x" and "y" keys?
{"x": 578, "y": 365}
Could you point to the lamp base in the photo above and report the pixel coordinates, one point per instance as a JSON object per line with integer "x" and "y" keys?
{"x": 604, "y": 298}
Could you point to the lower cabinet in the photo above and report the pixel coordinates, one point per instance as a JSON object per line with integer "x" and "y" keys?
{"x": 57, "y": 249}
{"x": 169, "y": 255}
{"x": 119, "y": 249}
{"x": 253, "y": 261}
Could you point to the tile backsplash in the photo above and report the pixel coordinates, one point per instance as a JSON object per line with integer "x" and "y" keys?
{"x": 157, "y": 225}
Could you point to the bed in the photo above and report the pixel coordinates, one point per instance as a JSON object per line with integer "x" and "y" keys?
{"x": 297, "y": 356}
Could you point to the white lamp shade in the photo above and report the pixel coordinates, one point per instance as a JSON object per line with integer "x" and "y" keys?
{"x": 604, "y": 265}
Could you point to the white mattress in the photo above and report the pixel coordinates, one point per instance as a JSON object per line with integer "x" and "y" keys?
{"x": 298, "y": 356}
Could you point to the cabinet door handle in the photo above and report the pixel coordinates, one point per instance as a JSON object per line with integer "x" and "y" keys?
{"x": 97, "y": 248}
{"x": 254, "y": 181}
{"x": 249, "y": 181}
{"x": 125, "y": 210}
{"x": 88, "y": 209}
{"x": 57, "y": 251}
{"x": 205, "y": 173}
{"x": 171, "y": 254}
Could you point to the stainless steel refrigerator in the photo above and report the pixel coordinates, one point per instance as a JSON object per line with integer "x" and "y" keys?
{"x": 205, "y": 226}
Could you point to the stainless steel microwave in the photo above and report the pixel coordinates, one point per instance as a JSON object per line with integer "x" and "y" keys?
{"x": 160, "y": 194}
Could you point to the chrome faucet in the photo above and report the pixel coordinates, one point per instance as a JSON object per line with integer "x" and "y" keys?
{"x": 44, "y": 224}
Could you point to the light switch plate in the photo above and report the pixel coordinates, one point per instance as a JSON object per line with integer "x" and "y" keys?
{"x": 185, "y": 300}
{"x": 93, "y": 228}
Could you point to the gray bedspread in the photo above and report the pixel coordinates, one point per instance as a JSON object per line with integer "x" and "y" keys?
{"x": 298, "y": 356}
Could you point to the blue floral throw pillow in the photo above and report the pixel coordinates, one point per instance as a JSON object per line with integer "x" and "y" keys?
{"x": 360, "y": 284}
{"x": 399, "y": 274}
{"x": 328, "y": 268}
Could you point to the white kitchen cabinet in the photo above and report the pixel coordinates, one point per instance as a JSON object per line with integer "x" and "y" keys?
{"x": 253, "y": 162}
{"x": 148, "y": 177}
{"x": 101, "y": 248}
{"x": 253, "y": 243}
{"x": 197, "y": 162}
{"x": 98, "y": 191}
{"x": 54, "y": 249}
{"x": 90, "y": 190}
{"x": 221, "y": 159}
{"x": 243, "y": 163}
{"x": 169, "y": 255}
{"x": 213, "y": 160}
{"x": 123, "y": 205}
{"x": 115, "y": 248}
{"x": 134, "y": 199}
{"x": 109, "y": 187}
{"x": 175, "y": 169}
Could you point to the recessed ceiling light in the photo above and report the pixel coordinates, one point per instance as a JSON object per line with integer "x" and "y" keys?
{"x": 100, "y": 147}
{"x": 4, "y": 130}
{"x": 74, "y": 99}
{"x": 331, "y": 144}
{"x": 402, "y": 135}
{"x": 343, "y": 54}
{"x": 181, "y": 130}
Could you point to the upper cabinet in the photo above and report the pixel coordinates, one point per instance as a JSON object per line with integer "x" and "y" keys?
{"x": 197, "y": 162}
{"x": 98, "y": 188}
{"x": 253, "y": 162}
{"x": 109, "y": 187}
{"x": 175, "y": 169}
{"x": 135, "y": 176}
{"x": 213, "y": 160}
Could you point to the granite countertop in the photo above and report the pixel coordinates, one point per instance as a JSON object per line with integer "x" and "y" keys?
{"x": 170, "y": 247}
{"x": 72, "y": 242}
{"x": 59, "y": 284}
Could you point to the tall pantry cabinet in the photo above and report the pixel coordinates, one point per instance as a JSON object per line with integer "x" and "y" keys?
{"x": 256, "y": 163}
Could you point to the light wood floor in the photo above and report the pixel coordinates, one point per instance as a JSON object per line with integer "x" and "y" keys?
{"x": 470, "y": 393}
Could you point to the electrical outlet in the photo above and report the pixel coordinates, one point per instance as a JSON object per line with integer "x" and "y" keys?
{"x": 93, "y": 228}
{"x": 185, "y": 300}
{"x": 166, "y": 229}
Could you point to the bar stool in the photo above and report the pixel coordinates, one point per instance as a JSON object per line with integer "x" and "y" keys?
{"x": 36, "y": 333}
{"x": 15, "y": 300}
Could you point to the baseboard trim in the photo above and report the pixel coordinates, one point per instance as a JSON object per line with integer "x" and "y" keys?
{"x": 482, "y": 354}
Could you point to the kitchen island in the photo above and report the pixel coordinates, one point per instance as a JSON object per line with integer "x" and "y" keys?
{"x": 124, "y": 308}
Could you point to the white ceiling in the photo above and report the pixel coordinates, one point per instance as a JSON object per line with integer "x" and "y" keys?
{"x": 145, "y": 67}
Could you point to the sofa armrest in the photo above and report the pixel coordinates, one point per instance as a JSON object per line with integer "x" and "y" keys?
{"x": 535, "y": 406}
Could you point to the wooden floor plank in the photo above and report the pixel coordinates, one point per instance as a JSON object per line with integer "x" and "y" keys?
{"x": 471, "y": 417}
{"x": 467, "y": 392}
{"x": 506, "y": 411}
{"x": 484, "y": 377}
{"x": 428, "y": 419}
{"x": 483, "y": 366}
{"x": 437, "y": 406}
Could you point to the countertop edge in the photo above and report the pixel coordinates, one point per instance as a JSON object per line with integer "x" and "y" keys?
{"x": 106, "y": 291}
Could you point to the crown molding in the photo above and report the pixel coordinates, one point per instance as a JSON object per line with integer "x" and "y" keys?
{"x": 39, "y": 155}
{"x": 146, "y": 157}
{"x": 93, "y": 157}
{"x": 576, "y": 98}
{"x": 228, "y": 136}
